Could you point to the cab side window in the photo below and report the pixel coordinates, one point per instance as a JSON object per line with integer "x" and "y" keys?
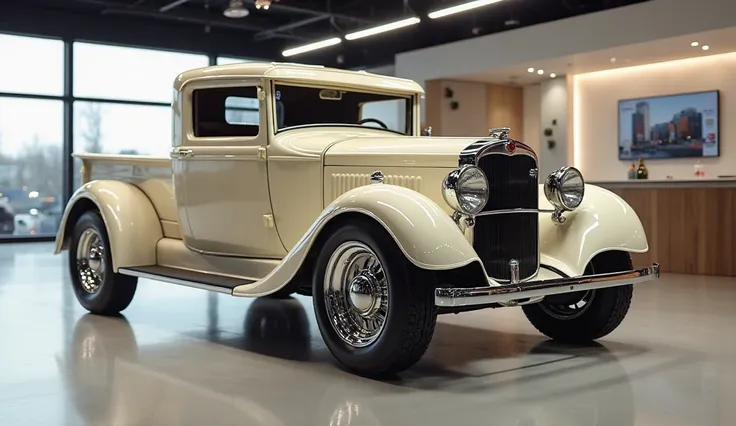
{"x": 226, "y": 112}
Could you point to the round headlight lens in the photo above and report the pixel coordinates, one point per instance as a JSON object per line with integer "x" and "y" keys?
{"x": 565, "y": 188}
{"x": 466, "y": 190}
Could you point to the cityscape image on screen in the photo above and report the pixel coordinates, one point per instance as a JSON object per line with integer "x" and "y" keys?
{"x": 675, "y": 126}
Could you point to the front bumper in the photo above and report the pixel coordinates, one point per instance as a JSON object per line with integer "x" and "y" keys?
{"x": 452, "y": 297}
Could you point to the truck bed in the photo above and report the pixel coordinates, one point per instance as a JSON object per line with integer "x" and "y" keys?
{"x": 152, "y": 175}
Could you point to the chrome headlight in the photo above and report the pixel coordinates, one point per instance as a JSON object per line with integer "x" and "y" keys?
{"x": 466, "y": 190}
{"x": 565, "y": 188}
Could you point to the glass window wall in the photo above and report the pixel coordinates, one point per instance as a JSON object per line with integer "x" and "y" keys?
{"x": 120, "y": 104}
{"x": 127, "y": 73}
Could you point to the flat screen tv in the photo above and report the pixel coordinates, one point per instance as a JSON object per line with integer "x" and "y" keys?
{"x": 673, "y": 126}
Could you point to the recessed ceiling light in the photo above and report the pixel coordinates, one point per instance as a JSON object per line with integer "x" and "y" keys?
{"x": 530, "y": 69}
{"x": 540, "y": 72}
{"x": 705, "y": 47}
{"x": 694, "y": 44}
{"x": 613, "y": 60}
{"x": 552, "y": 75}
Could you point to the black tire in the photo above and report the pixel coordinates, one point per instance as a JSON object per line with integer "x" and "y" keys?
{"x": 282, "y": 293}
{"x": 115, "y": 290}
{"x": 411, "y": 313}
{"x": 604, "y": 312}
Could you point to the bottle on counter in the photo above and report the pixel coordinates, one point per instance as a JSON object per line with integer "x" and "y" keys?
{"x": 632, "y": 171}
{"x": 642, "y": 172}
{"x": 699, "y": 170}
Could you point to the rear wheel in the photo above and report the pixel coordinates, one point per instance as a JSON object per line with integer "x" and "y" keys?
{"x": 581, "y": 317}
{"x": 98, "y": 289}
{"x": 374, "y": 309}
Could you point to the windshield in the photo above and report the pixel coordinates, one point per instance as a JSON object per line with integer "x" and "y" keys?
{"x": 305, "y": 106}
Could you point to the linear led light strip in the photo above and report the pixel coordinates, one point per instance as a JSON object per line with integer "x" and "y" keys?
{"x": 382, "y": 28}
{"x": 387, "y": 27}
{"x": 461, "y": 8}
{"x": 352, "y": 36}
{"x": 312, "y": 46}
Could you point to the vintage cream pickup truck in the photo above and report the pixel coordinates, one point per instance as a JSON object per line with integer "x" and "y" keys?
{"x": 288, "y": 178}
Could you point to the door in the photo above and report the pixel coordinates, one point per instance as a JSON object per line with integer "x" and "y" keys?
{"x": 221, "y": 172}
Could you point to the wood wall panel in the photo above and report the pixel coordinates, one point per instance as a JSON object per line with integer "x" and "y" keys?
{"x": 481, "y": 107}
{"x": 506, "y": 108}
{"x": 690, "y": 230}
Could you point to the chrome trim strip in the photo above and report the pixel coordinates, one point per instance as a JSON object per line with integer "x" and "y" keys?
{"x": 170, "y": 280}
{"x": 499, "y": 294}
{"x": 508, "y": 211}
{"x": 471, "y": 153}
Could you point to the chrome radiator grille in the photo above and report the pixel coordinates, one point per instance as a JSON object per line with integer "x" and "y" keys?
{"x": 499, "y": 238}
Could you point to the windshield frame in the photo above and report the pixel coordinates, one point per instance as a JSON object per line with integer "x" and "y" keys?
{"x": 410, "y": 97}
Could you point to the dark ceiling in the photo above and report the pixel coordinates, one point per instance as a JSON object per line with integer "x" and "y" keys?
{"x": 198, "y": 25}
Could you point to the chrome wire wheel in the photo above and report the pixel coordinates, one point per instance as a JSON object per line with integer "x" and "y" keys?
{"x": 91, "y": 260}
{"x": 356, "y": 294}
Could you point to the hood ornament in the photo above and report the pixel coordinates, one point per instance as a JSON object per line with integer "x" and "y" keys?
{"x": 499, "y": 132}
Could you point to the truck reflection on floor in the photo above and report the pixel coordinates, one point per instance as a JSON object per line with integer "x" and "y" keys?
{"x": 193, "y": 382}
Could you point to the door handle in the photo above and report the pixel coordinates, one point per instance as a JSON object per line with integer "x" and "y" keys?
{"x": 184, "y": 153}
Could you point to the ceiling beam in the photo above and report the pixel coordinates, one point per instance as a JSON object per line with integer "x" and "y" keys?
{"x": 219, "y": 23}
{"x": 298, "y": 10}
{"x": 173, "y": 4}
{"x": 275, "y": 32}
{"x": 25, "y": 19}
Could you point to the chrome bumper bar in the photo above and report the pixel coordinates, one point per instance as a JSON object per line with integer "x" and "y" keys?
{"x": 450, "y": 297}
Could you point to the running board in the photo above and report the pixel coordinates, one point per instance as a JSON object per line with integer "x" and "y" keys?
{"x": 209, "y": 282}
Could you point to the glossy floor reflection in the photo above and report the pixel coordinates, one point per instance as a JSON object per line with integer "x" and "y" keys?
{"x": 186, "y": 357}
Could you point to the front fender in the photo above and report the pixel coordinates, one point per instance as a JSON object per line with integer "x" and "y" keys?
{"x": 425, "y": 233}
{"x": 132, "y": 224}
{"x": 603, "y": 222}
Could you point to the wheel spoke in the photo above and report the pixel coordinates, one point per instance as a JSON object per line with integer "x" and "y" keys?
{"x": 90, "y": 261}
{"x": 356, "y": 294}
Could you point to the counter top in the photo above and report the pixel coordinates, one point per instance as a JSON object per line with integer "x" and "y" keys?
{"x": 729, "y": 182}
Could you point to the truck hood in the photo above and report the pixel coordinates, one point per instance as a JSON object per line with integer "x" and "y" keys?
{"x": 397, "y": 151}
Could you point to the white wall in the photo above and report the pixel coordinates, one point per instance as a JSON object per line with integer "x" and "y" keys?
{"x": 553, "y": 104}
{"x": 651, "y": 20}
{"x": 532, "y": 119}
{"x": 596, "y": 97}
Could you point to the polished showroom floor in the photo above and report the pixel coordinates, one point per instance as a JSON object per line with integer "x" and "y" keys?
{"x": 182, "y": 356}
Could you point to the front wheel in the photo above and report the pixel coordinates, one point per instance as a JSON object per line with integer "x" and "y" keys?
{"x": 581, "y": 317}
{"x": 374, "y": 309}
{"x": 98, "y": 289}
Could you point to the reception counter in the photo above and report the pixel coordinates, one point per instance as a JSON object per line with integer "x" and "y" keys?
{"x": 690, "y": 224}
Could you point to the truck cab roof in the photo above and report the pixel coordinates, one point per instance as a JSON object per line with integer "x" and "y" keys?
{"x": 298, "y": 73}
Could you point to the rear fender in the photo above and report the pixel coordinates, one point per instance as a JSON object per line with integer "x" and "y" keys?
{"x": 132, "y": 224}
